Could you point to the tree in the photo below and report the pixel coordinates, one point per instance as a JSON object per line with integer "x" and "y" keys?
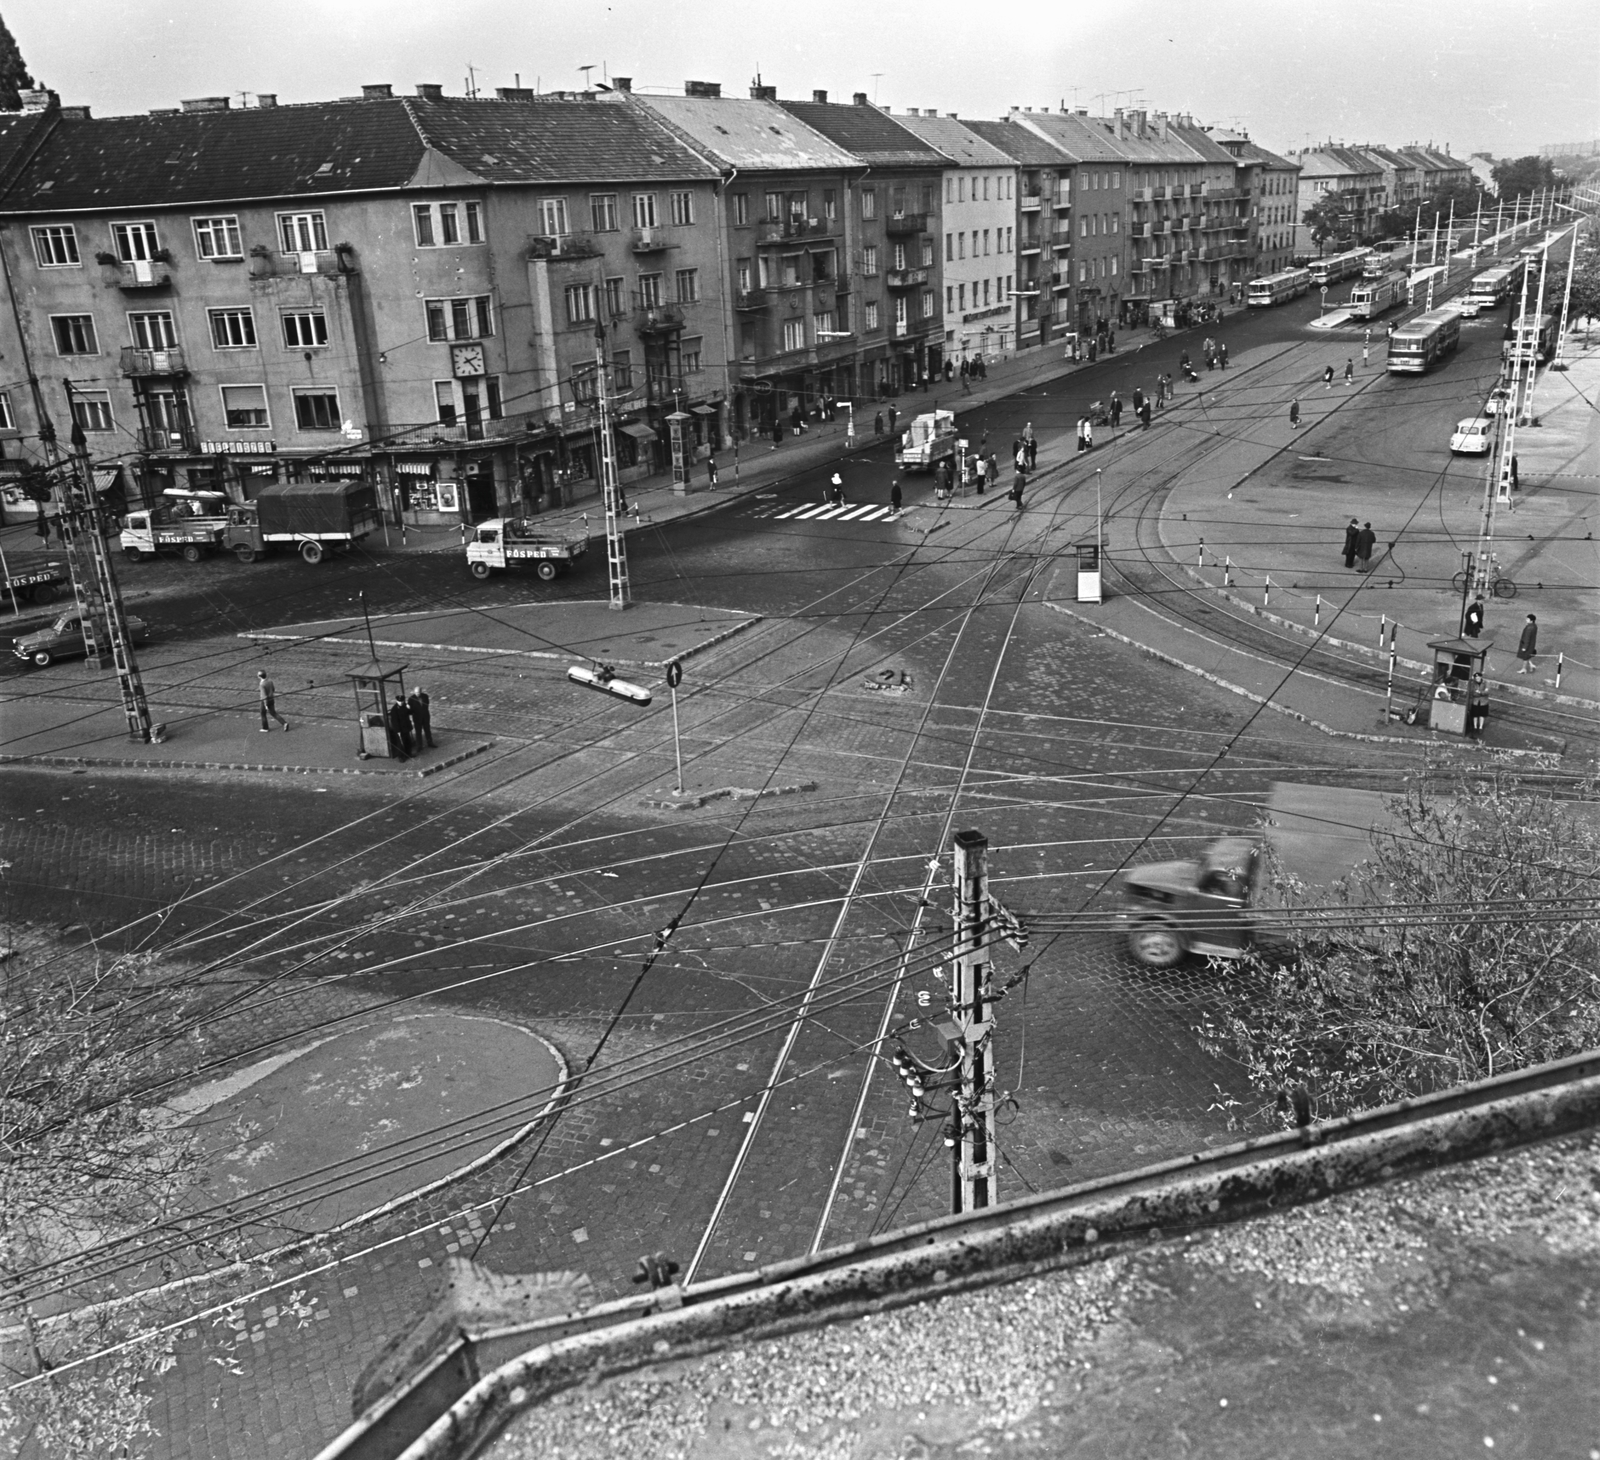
{"x": 14, "y": 77}
{"x": 1585, "y": 303}
{"x": 1514, "y": 178}
{"x": 1374, "y": 1007}
{"x": 1466, "y": 197}
{"x": 1328, "y": 218}
{"x": 1392, "y": 224}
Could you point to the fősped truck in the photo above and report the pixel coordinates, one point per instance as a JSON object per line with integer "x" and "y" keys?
{"x": 506, "y": 542}
{"x": 191, "y": 522}
{"x": 1225, "y": 903}
{"x": 929, "y": 439}
{"x": 311, "y": 517}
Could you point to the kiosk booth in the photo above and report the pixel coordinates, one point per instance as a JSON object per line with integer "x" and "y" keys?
{"x": 1089, "y": 572}
{"x": 373, "y": 683}
{"x": 1460, "y": 696}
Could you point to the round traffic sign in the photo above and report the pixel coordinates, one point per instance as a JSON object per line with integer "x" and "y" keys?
{"x": 674, "y": 674}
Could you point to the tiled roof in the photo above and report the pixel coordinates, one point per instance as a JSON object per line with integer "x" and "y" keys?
{"x": 869, "y": 133}
{"x": 1254, "y": 152}
{"x": 1081, "y": 138}
{"x": 958, "y": 142}
{"x": 1023, "y": 145}
{"x": 554, "y": 141}
{"x": 1196, "y": 140}
{"x": 750, "y": 134}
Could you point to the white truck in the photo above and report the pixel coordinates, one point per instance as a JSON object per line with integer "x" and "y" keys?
{"x": 507, "y": 542}
{"x": 928, "y": 440}
{"x": 191, "y": 522}
{"x": 1225, "y": 904}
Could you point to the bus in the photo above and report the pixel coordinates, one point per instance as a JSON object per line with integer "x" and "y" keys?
{"x": 1275, "y": 288}
{"x": 1532, "y": 339}
{"x": 1372, "y": 296}
{"x": 1491, "y": 287}
{"x": 1340, "y": 266}
{"x": 1422, "y": 343}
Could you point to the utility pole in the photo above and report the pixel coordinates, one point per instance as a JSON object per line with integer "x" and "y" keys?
{"x": 610, "y": 491}
{"x": 973, "y": 1179}
{"x": 1560, "y": 361}
{"x": 1526, "y": 406}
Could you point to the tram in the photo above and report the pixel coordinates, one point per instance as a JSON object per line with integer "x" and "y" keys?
{"x": 1340, "y": 266}
{"x": 1372, "y": 296}
{"x": 1276, "y": 288}
{"x": 1421, "y": 343}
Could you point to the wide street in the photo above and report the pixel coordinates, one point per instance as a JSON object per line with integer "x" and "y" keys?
{"x": 729, "y": 969}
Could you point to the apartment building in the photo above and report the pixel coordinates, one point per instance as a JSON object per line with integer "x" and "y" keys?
{"x": 1273, "y": 185}
{"x": 1349, "y": 175}
{"x": 980, "y": 221}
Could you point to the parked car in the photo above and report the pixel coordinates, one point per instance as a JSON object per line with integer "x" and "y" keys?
{"x": 64, "y": 639}
{"x": 1497, "y": 401}
{"x": 1472, "y": 437}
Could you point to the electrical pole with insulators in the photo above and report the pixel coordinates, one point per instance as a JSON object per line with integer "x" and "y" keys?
{"x": 610, "y": 488}
{"x": 973, "y": 1183}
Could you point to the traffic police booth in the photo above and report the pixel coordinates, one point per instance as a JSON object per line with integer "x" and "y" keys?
{"x": 1460, "y": 702}
{"x": 1088, "y": 572}
{"x": 371, "y": 683}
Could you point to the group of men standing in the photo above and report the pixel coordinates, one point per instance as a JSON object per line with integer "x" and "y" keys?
{"x": 410, "y": 724}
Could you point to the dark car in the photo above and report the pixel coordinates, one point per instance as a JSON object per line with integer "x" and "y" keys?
{"x": 64, "y": 639}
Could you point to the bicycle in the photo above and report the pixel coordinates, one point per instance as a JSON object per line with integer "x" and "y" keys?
{"x": 1499, "y": 585}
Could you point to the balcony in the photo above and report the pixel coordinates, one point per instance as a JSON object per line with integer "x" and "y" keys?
{"x": 791, "y": 230}
{"x": 658, "y": 319}
{"x": 564, "y": 246}
{"x": 1062, "y": 202}
{"x": 137, "y": 363}
{"x": 650, "y": 240}
{"x": 1026, "y": 245}
{"x": 1061, "y": 238}
{"x": 1030, "y": 202}
{"x": 141, "y": 274}
{"x": 903, "y": 225}
{"x": 905, "y": 278}
{"x": 751, "y": 299}
{"x": 1140, "y": 195}
{"x": 1196, "y": 190}
{"x": 166, "y": 438}
{"x": 1224, "y": 195}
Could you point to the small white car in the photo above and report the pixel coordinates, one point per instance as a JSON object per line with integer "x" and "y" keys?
{"x": 1472, "y": 437}
{"x": 1497, "y": 401}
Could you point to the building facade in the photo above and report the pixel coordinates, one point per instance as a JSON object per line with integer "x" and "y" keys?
{"x": 1349, "y": 176}
{"x": 1272, "y": 183}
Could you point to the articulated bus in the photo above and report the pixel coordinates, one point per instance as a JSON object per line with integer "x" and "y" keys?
{"x": 1491, "y": 287}
{"x": 1533, "y": 339}
{"x": 1416, "y": 346}
{"x": 1372, "y": 296}
{"x": 1276, "y": 288}
{"x": 1340, "y": 266}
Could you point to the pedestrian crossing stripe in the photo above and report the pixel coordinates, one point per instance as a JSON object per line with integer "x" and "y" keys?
{"x": 834, "y": 512}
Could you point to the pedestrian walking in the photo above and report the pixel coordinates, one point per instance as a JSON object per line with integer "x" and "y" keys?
{"x": 1222, "y": 354}
{"x": 894, "y": 415}
{"x": 1116, "y": 410}
{"x": 266, "y": 693}
{"x": 991, "y": 471}
{"x": 1018, "y": 482}
{"x": 1138, "y": 400}
{"x": 1349, "y": 371}
{"x": 1472, "y": 623}
{"x": 1327, "y": 378}
{"x": 421, "y": 716}
{"x": 877, "y": 424}
{"x": 1294, "y": 414}
{"x": 711, "y": 471}
{"x": 1528, "y": 645}
{"x": 1081, "y": 424}
{"x": 1351, "y": 533}
{"x": 895, "y": 497}
{"x": 1088, "y": 436}
{"x": 1032, "y": 446}
{"x": 797, "y": 422}
{"x": 1144, "y": 415}
{"x": 400, "y": 726}
{"x": 777, "y": 433}
{"x": 1366, "y": 540}
{"x": 1366, "y": 352}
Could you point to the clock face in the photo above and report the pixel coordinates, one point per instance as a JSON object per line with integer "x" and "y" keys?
{"x": 467, "y": 359}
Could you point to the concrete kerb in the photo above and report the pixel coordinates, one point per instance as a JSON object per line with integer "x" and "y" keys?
{"x": 115, "y": 763}
{"x": 1062, "y": 1229}
{"x": 693, "y": 802}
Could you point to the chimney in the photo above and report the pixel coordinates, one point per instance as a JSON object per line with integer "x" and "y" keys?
{"x": 859, "y": 99}
{"x": 625, "y": 83}
{"x": 1118, "y": 127}
{"x": 514, "y": 93}
{"x": 40, "y": 100}
{"x": 430, "y": 91}
{"x": 206, "y": 104}
{"x": 706, "y": 89}
{"x": 376, "y": 91}
{"x": 758, "y": 92}
{"x": 951, "y": 115}
{"x": 819, "y": 96}
{"x": 266, "y": 98}
{"x": 1083, "y": 111}
{"x": 74, "y": 113}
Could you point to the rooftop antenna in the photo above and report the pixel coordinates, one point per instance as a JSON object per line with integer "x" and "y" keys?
{"x": 471, "y": 87}
{"x": 244, "y": 97}
{"x": 586, "y": 70}
{"x": 875, "y": 76}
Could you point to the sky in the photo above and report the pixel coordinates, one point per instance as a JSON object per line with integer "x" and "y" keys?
{"x": 1498, "y": 76}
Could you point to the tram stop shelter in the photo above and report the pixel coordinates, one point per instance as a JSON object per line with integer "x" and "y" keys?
{"x": 374, "y": 685}
{"x": 1460, "y": 701}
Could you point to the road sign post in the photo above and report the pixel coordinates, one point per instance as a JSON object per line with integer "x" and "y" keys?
{"x": 674, "y": 679}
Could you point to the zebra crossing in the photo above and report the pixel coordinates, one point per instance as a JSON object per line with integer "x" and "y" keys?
{"x": 825, "y": 512}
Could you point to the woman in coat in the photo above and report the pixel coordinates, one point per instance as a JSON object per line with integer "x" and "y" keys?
{"x": 1528, "y": 645}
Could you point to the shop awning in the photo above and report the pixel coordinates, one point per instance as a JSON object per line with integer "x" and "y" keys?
{"x": 639, "y": 432}
{"x": 704, "y": 410}
{"x": 105, "y": 477}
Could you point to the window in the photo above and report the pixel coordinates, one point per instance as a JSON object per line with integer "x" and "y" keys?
{"x": 902, "y": 313}
{"x": 949, "y": 298}
{"x": 491, "y": 397}
{"x": 232, "y": 329}
{"x": 830, "y": 204}
{"x": 949, "y": 248}
{"x": 949, "y": 189}
{"x": 962, "y": 296}
{"x": 741, "y": 207}
{"x": 974, "y": 243}
{"x": 584, "y": 386}
{"x": 217, "y": 238}
{"x": 961, "y": 244}
{"x": 689, "y": 354}
{"x": 927, "y": 252}
{"x": 449, "y": 224}
{"x": 869, "y": 260}
{"x": 553, "y": 216}
{"x": 1083, "y": 226}
{"x": 1113, "y": 266}
{"x": 741, "y": 275}
{"x": 474, "y": 217}
{"x": 985, "y": 291}
{"x": 870, "y": 315}
{"x": 688, "y": 281}
{"x": 681, "y": 206}
{"x": 7, "y": 420}
{"x": 747, "y": 340}
{"x": 422, "y": 219}
{"x": 1011, "y": 246}
{"x": 823, "y": 322}
{"x": 1083, "y": 270}
{"x": 91, "y": 409}
{"x": 56, "y": 246}
{"x": 134, "y": 242}
{"x": 622, "y": 369}
{"x": 444, "y": 400}
{"x": 774, "y": 207}
{"x": 1116, "y": 179}
{"x": 75, "y": 334}
{"x": 961, "y": 190}
{"x": 986, "y": 242}
{"x": 1116, "y": 223}
{"x": 437, "y": 225}
{"x": 644, "y": 210}
{"x": 869, "y": 202}
{"x": 986, "y": 190}
{"x": 316, "y": 410}
{"x": 244, "y": 407}
{"x": 899, "y": 256}
{"x": 930, "y": 304}
{"x": 303, "y": 232}
{"x": 603, "y": 212}
{"x": 650, "y": 291}
{"x": 580, "y": 303}
{"x": 468, "y": 318}
{"x": 616, "y": 296}
{"x": 794, "y": 334}
{"x": 153, "y": 331}
{"x": 304, "y": 329}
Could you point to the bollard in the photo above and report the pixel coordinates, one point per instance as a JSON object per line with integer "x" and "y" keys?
{"x": 1388, "y": 691}
{"x": 1227, "y": 572}
{"x": 1266, "y": 591}
{"x": 1383, "y": 623}
{"x": 1560, "y": 661}
{"x": 1202, "y": 562}
{"x": 1316, "y": 616}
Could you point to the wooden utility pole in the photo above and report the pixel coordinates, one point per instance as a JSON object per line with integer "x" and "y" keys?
{"x": 973, "y": 1181}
